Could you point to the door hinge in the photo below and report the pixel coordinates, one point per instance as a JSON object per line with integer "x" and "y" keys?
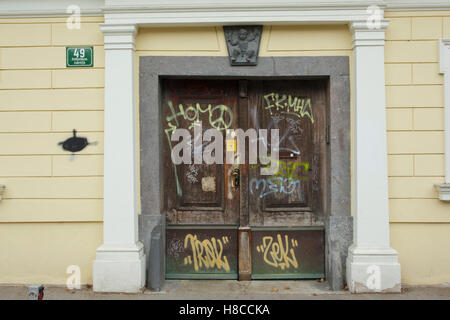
{"x": 327, "y": 134}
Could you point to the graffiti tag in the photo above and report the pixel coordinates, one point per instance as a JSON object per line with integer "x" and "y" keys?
{"x": 271, "y": 185}
{"x": 277, "y": 253}
{"x": 288, "y": 104}
{"x": 207, "y": 253}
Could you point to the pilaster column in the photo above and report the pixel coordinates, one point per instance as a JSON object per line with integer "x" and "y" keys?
{"x": 372, "y": 265}
{"x": 120, "y": 261}
{"x": 444, "y": 68}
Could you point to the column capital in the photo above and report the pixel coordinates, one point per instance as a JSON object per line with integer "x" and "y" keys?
{"x": 119, "y": 36}
{"x": 444, "y": 55}
{"x": 366, "y": 33}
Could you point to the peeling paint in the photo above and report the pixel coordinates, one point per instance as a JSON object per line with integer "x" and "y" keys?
{"x": 209, "y": 184}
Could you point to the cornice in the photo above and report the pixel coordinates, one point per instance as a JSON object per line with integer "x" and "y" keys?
{"x": 282, "y": 10}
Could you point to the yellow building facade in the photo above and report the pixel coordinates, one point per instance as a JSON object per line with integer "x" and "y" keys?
{"x": 51, "y": 212}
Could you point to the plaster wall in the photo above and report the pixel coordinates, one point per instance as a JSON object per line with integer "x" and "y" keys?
{"x": 51, "y": 215}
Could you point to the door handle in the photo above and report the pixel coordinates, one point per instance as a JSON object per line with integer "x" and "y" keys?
{"x": 236, "y": 177}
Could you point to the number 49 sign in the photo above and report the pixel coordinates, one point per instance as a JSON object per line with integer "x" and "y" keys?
{"x": 79, "y": 56}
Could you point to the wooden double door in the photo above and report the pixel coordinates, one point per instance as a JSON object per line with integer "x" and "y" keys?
{"x": 227, "y": 219}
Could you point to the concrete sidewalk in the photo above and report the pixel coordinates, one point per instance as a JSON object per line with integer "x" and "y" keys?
{"x": 229, "y": 289}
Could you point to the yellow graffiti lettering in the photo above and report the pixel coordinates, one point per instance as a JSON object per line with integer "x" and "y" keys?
{"x": 207, "y": 253}
{"x": 288, "y": 104}
{"x": 277, "y": 253}
{"x": 220, "y": 116}
{"x": 286, "y": 169}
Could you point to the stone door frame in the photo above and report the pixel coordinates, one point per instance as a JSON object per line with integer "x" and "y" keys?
{"x": 338, "y": 223}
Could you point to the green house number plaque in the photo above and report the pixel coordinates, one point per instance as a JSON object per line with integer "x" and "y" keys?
{"x": 79, "y": 56}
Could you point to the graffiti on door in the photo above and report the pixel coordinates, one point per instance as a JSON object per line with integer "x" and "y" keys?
{"x": 220, "y": 117}
{"x": 206, "y": 254}
{"x": 278, "y": 253}
{"x": 266, "y": 186}
{"x": 287, "y": 104}
{"x": 286, "y": 169}
{"x": 291, "y": 131}
{"x": 201, "y": 252}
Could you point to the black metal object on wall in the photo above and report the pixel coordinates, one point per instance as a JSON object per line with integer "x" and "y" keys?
{"x": 74, "y": 143}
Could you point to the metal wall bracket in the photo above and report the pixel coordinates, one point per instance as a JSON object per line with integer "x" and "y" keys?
{"x": 75, "y": 143}
{"x": 243, "y": 44}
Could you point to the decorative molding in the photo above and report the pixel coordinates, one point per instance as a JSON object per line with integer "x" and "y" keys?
{"x": 210, "y": 12}
{"x": 119, "y": 36}
{"x": 443, "y": 191}
{"x": 416, "y": 5}
{"x": 205, "y": 11}
{"x": 243, "y": 44}
{"x": 226, "y": 16}
{"x": 444, "y": 68}
{"x": 234, "y": 6}
{"x": 363, "y": 35}
{"x": 48, "y": 8}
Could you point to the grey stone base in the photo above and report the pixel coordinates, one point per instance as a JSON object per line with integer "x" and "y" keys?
{"x": 338, "y": 237}
{"x": 152, "y": 235}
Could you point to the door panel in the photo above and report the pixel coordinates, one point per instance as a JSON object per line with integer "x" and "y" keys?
{"x": 280, "y": 253}
{"x": 201, "y": 252}
{"x": 195, "y": 193}
{"x": 294, "y": 195}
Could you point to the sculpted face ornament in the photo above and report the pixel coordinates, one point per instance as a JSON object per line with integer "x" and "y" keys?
{"x": 243, "y": 44}
{"x": 243, "y": 34}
